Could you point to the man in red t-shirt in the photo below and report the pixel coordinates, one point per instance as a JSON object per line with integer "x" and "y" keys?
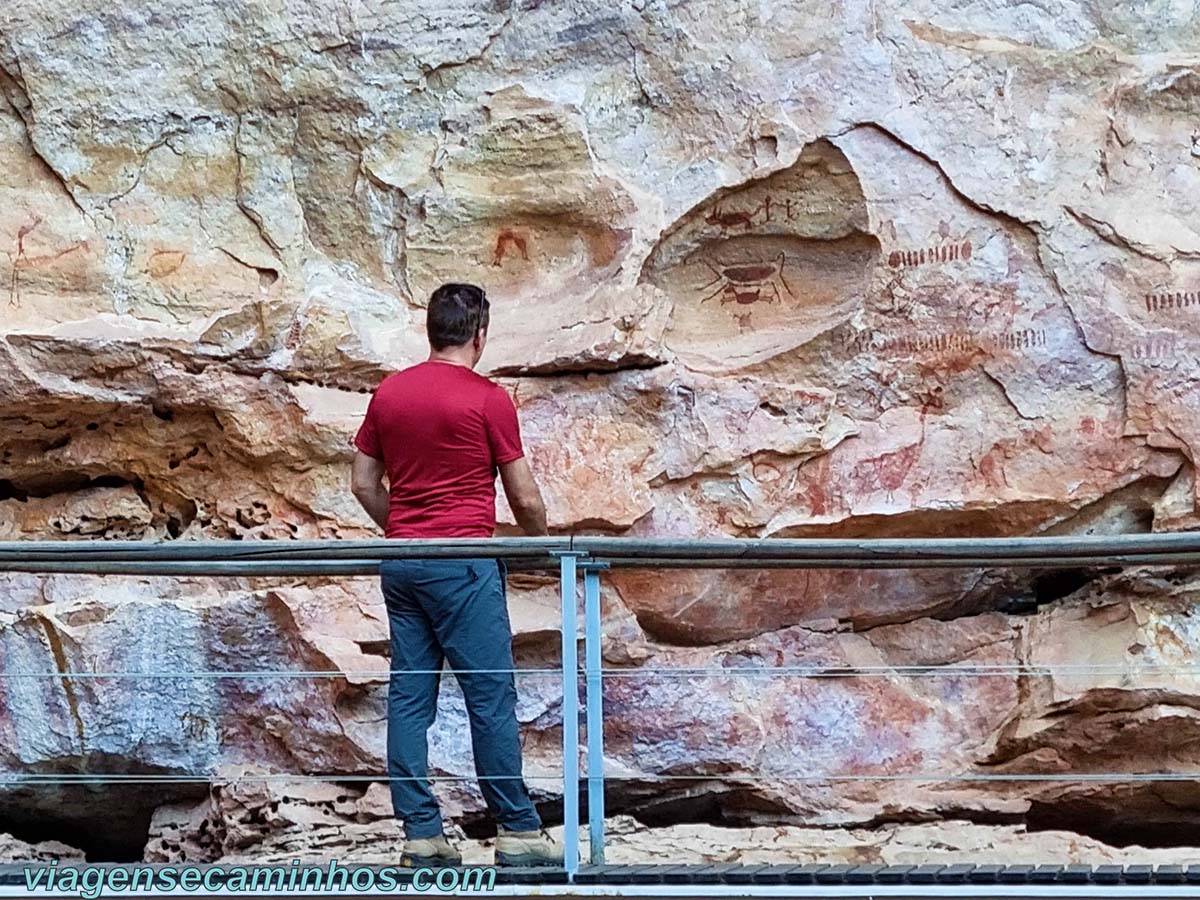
{"x": 439, "y": 433}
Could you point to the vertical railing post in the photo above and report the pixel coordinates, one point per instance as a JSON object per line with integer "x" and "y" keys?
{"x": 595, "y": 710}
{"x": 570, "y": 715}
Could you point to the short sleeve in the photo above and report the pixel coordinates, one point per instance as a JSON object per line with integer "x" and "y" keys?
{"x": 367, "y": 439}
{"x": 503, "y": 429}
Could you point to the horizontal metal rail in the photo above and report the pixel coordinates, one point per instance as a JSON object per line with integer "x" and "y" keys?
{"x": 269, "y": 568}
{"x": 232, "y": 551}
{"x": 265, "y": 568}
{"x": 308, "y": 556}
{"x": 892, "y": 549}
{"x": 905, "y": 562}
{"x": 198, "y": 568}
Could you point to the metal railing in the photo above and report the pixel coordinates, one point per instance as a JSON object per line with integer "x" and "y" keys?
{"x": 572, "y": 557}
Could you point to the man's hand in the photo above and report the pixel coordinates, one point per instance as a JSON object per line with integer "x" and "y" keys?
{"x": 523, "y": 496}
{"x": 366, "y": 483}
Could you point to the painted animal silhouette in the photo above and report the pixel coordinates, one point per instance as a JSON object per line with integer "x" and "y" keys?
{"x": 20, "y": 260}
{"x": 504, "y": 240}
{"x": 730, "y": 220}
{"x": 888, "y": 471}
{"x": 749, "y": 282}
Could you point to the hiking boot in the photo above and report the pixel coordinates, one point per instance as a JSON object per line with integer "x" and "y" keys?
{"x": 527, "y": 848}
{"x": 431, "y": 853}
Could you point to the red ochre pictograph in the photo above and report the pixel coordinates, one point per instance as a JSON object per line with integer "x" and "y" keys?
{"x": 953, "y": 342}
{"x": 1165, "y": 347}
{"x": 292, "y": 339}
{"x": 747, "y": 282}
{"x": 506, "y": 239}
{"x": 929, "y": 255}
{"x": 1172, "y": 300}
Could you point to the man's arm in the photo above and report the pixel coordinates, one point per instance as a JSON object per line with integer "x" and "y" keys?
{"x": 366, "y": 483}
{"x": 523, "y": 496}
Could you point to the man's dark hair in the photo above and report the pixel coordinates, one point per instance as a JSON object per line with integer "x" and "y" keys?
{"x": 456, "y": 312}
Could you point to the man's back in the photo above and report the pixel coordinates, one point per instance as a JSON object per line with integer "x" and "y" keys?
{"x": 439, "y": 433}
{"x": 441, "y": 430}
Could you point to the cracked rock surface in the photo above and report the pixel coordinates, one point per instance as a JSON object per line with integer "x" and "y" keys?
{"x": 876, "y": 268}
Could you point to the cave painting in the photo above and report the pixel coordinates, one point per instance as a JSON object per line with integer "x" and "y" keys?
{"x": 725, "y": 221}
{"x": 769, "y": 210}
{"x": 292, "y": 339}
{"x": 793, "y": 247}
{"x": 22, "y": 262}
{"x": 14, "y": 294}
{"x": 910, "y": 341}
{"x": 165, "y": 262}
{"x": 506, "y": 239}
{"x": 887, "y": 472}
{"x": 1159, "y": 347}
{"x": 1172, "y": 300}
{"x": 937, "y": 254}
{"x": 745, "y": 283}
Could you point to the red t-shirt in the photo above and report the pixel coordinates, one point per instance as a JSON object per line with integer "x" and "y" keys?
{"x": 440, "y": 430}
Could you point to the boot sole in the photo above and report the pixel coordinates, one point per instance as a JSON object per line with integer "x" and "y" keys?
{"x": 429, "y": 862}
{"x": 527, "y": 861}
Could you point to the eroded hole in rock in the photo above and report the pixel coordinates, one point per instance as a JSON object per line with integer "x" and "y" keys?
{"x": 109, "y": 823}
{"x": 692, "y": 807}
{"x": 175, "y": 463}
{"x": 950, "y": 814}
{"x": 1152, "y": 815}
{"x": 764, "y": 267}
{"x": 181, "y": 517}
{"x": 1062, "y": 583}
{"x": 254, "y": 515}
{"x": 579, "y": 367}
{"x": 1048, "y": 587}
{"x": 712, "y": 804}
{"x": 50, "y": 483}
{"x": 381, "y": 647}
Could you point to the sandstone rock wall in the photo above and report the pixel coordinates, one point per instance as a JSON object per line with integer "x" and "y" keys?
{"x": 866, "y": 268}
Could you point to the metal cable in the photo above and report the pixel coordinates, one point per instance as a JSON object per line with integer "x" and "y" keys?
{"x": 1104, "y": 778}
{"x": 816, "y": 672}
{"x": 279, "y": 673}
{"x": 1041, "y": 670}
{"x": 926, "y": 777}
